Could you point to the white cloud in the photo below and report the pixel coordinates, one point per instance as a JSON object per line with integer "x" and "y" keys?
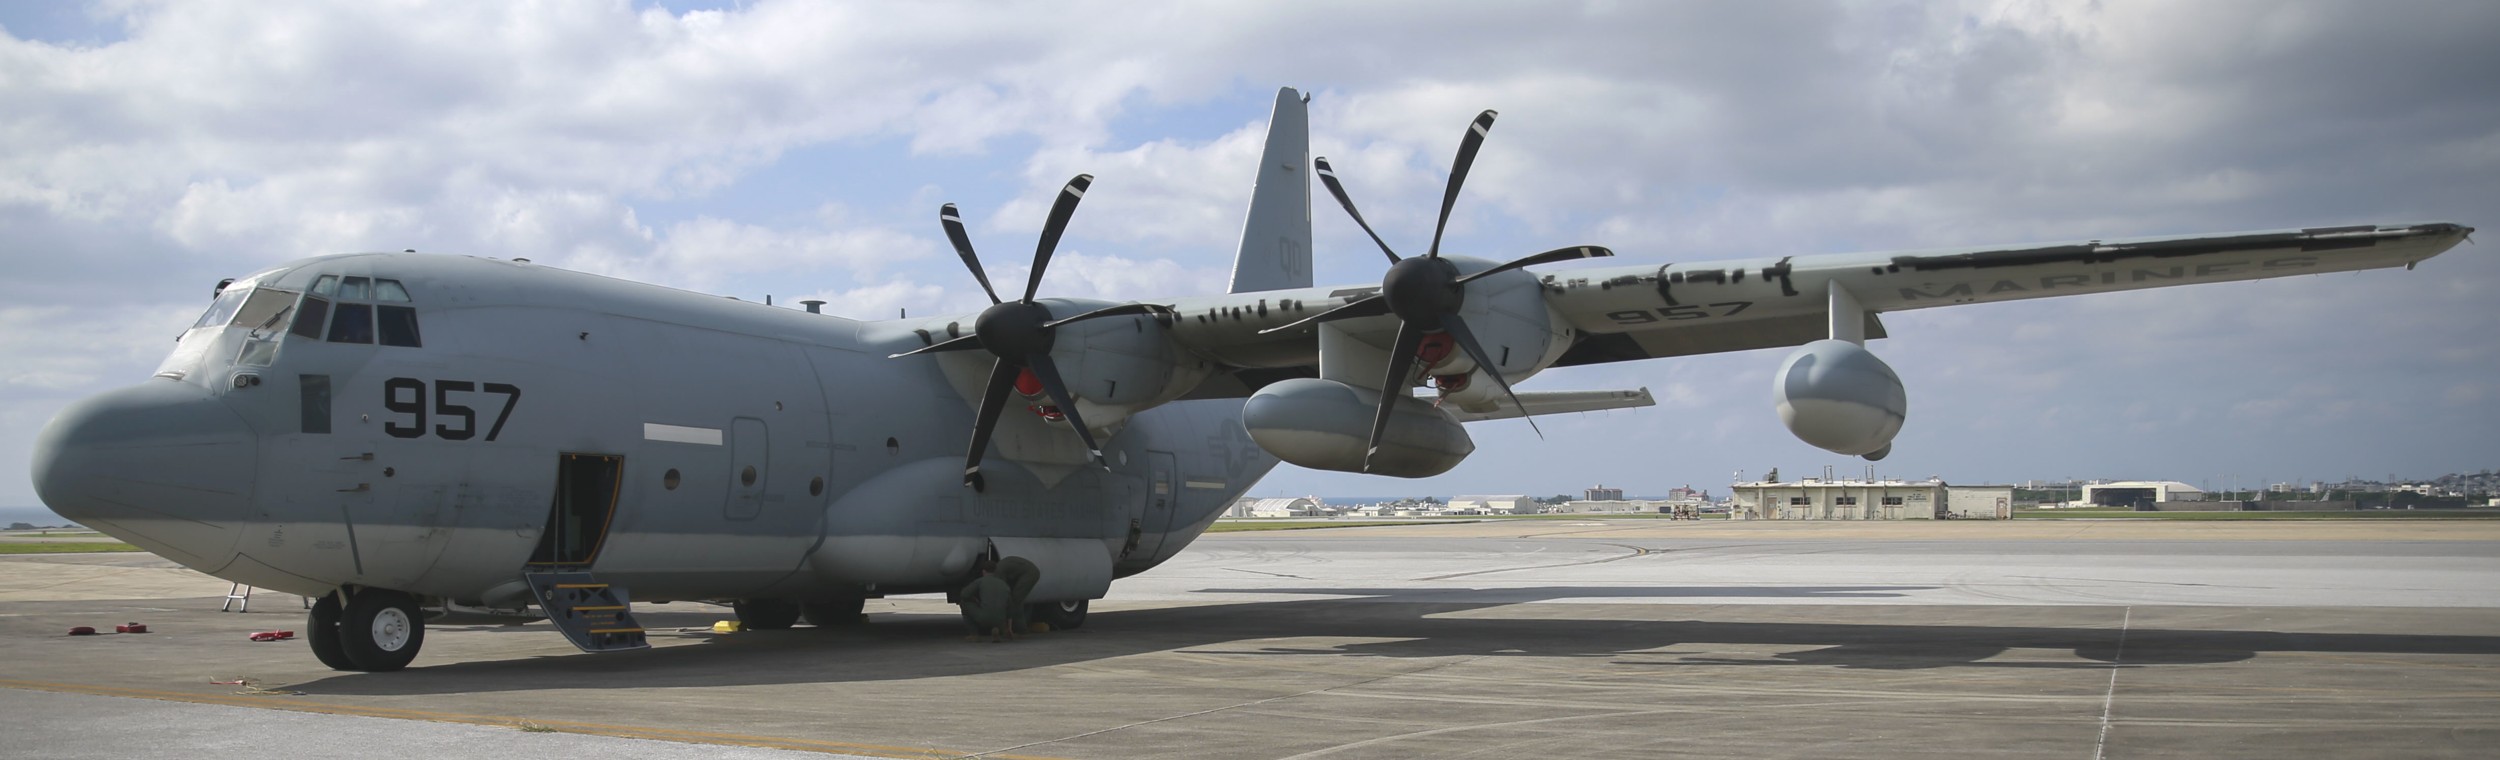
{"x": 223, "y": 136}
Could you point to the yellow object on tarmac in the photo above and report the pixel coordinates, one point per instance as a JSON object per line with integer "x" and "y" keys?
{"x": 727, "y": 626}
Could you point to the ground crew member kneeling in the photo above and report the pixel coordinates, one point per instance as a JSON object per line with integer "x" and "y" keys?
{"x": 1021, "y": 575}
{"x": 985, "y": 603}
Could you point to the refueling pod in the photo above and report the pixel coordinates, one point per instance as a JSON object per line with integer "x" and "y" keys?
{"x": 1839, "y": 397}
{"x": 1322, "y": 424}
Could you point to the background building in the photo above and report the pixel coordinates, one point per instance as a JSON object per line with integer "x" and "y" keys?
{"x": 1816, "y": 499}
{"x": 1299, "y": 506}
{"x": 2139, "y": 494}
{"x": 1600, "y": 492}
{"x": 1493, "y": 505}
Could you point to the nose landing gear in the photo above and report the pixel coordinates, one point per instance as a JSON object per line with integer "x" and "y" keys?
{"x": 377, "y": 630}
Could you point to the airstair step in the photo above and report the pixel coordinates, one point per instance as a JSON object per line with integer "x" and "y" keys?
{"x": 595, "y": 616}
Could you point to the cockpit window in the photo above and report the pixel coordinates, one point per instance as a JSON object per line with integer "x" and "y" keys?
{"x": 267, "y": 309}
{"x": 344, "y": 304}
{"x": 399, "y": 325}
{"x": 223, "y": 309}
{"x": 313, "y": 314}
{"x": 353, "y": 323}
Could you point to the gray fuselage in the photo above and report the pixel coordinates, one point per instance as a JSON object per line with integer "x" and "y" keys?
{"x": 755, "y": 451}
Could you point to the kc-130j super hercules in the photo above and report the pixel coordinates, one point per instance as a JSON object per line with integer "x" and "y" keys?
{"x": 390, "y": 431}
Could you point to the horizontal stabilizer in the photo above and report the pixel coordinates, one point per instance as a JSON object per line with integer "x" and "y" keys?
{"x": 1559, "y": 402}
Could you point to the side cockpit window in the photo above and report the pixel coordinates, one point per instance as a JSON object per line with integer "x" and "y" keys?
{"x": 347, "y": 306}
{"x": 314, "y": 313}
{"x": 351, "y": 323}
{"x": 398, "y": 325}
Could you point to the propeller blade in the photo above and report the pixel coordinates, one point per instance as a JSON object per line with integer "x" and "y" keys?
{"x": 993, "y": 400}
{"x": 965, "y": 343}
{"x": 1368, "y": 306}
{"x": 1467, "y": 342}
{"x": 1328, "y": 176}
{"x": 1467, "y": 147}
{"x": 1060, "y": 210}
{"x": 1048, "y": 372}
{"x": 1121, "y": 310}
{"x": 1548, "y": 257}
{"x": 954, "y": 223}
{"x": 1401, "y": 362}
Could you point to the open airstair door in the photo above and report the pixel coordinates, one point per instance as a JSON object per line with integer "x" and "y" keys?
{"x": 595, "y": 616}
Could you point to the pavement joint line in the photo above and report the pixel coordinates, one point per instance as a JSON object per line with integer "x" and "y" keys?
{"x": 1635, "y": 552}
{"x": 1475, "y": 727}
{"x": 1251, "y": 703}
{"x": 2100, "y": 747}
{"x": 576, "y": 727}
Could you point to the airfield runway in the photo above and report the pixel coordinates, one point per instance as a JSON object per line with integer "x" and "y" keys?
{"x": 1548, "y": 638}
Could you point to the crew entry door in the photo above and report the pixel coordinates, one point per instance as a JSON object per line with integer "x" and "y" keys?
{"x": 585, "y": 503}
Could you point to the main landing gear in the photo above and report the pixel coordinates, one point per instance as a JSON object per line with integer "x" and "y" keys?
{"x": 377, "y": 630}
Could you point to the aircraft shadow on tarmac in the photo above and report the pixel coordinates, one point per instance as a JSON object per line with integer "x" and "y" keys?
{"x": 908, "y": 646}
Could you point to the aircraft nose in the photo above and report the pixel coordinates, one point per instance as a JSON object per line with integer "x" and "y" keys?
{"x": 162, "y": 465}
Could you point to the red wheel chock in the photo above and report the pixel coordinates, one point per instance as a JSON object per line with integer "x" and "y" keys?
{"x": 273, "y": 635}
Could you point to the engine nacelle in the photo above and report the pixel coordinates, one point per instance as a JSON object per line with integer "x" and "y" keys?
{"x": 1120, "y": 365}
{"x": 1839, "y": 397}
{"x": 1324, "y": 425}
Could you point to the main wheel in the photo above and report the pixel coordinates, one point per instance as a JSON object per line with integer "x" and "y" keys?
{"x": 766, "y": 614}
{"x": 321, "y": 630}
{"x": 832, "y": 613}
{"x": 1062, "y": 616}
{"x": 381, "y": 630}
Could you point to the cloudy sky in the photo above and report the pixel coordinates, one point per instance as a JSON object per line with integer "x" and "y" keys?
{"x": 800, "y": 150}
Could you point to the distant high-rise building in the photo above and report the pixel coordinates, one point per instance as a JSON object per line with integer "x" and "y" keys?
{"x": 1601, "y": 493}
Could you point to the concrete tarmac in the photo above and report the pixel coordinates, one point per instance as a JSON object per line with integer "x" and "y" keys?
{"x": 1595, "y": 638}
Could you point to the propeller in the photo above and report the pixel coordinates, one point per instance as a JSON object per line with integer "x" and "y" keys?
{"x": 1426, "y": 292}
{"x": 1020, "y": 333}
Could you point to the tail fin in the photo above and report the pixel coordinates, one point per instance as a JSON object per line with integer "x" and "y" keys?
{"x": 1276, "y": 238}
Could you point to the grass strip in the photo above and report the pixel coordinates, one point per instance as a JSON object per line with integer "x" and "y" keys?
{"x": 1240, "y": 526}
{"x": 2357, "y": 514}
{"x": 64, "y": 547}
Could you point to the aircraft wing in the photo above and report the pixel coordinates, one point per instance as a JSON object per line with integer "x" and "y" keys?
{"x": 1649, "y": 311}
{"x": 1642, "y": 312}
{"x": 1546, "y": 403}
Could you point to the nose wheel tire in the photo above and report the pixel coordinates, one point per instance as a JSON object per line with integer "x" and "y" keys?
{"x": 321, "y": 630}
{"x": 1062, "y": 616}
{"x": 381, "y": 630}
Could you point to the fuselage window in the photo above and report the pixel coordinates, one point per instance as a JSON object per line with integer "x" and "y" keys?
{"x": 316, "y": 402}
{"x": 389, "y": 291}
{"x": 356, "y": 289}
{"x": 352, "y": 324}
{"x": 399, "y": 325}
{"x": 310, "y": 318}
{"x": 327, "y": 286}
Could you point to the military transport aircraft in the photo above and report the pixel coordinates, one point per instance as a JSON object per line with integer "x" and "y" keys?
{"x": 392, "y": 432}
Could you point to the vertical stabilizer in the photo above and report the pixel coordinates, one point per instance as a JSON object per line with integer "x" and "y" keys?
{"x": 1276, "y": 238}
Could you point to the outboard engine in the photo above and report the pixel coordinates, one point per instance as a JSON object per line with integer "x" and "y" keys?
{"x": 1839, "y": 397}
{"x": 1324, "y": 424}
